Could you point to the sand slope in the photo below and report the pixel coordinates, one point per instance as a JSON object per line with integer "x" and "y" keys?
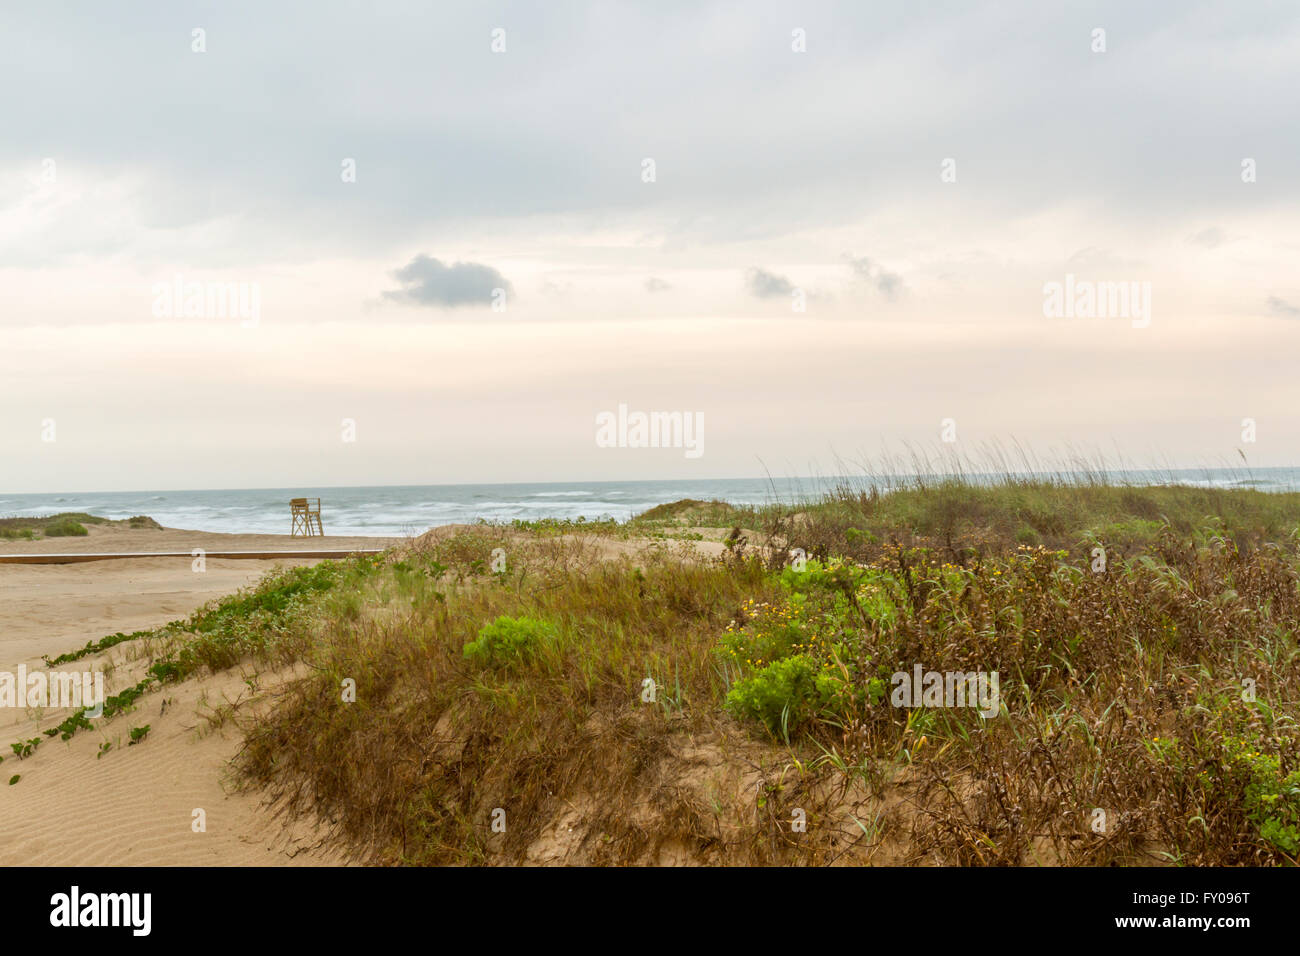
{"x": 134, "y": 804}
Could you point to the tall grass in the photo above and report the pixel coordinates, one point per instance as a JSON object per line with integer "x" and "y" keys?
{"x": 529, "y": 733}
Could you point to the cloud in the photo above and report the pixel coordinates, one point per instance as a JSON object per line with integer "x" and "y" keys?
{"x": 1210, "y": 238}
{"x": 889, "y": 284}
{"x": 767, "y": 285}
{"x": 654, "y": 284}
{"x": 282, "y": 200}
{"x": 427, "y": 281}
{"x": 1283, "y": 308}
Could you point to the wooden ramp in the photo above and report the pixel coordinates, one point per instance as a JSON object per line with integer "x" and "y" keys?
{"x": 188, "y": 555}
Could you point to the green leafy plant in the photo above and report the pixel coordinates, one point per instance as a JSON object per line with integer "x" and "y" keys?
{"x": 785, "y": 694}
{"x": 1272, "y": 798}
{"x": 25, "y": 748}
{"x": 509, "y": 640}
{"x": 94, "y": 647}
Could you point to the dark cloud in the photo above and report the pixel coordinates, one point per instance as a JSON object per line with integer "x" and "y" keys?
{"x": 427, "y": 281}
{"x": 1283, "y": 308}
{"x": 767, "y": 285}
{"x": 889, "y": 284}
{"x": 1210, "y": 238}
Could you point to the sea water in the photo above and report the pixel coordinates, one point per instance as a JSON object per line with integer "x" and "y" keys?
{"x": 412, "y": 509}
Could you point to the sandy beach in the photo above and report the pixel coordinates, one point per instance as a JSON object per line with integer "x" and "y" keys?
{"x": 134, "y": 805}
{"x": 48, "y": 609}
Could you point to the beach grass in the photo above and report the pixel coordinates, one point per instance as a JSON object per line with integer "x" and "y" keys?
{"x": 65, "y": 528}
{"x": 64, "y": 524}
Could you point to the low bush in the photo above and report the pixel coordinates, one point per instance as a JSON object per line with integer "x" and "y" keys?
{"x": 509, "y": 640}
{"x": 66, "y": 528}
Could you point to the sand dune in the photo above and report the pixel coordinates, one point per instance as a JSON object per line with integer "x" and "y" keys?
{"x": 134, "y": 805}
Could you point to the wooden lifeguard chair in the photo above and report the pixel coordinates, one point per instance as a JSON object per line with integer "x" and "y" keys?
{"x": 306, "y": 517}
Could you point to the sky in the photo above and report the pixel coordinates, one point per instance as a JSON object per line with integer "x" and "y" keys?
{"x": 432, "y": 243}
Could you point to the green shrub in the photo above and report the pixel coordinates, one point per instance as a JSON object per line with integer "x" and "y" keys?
{"x": 66, "y": 528}
{"x": 509, "y": 639}
{"x": 785, "y": 694}
{"x": 1272, "y": 799}
{"x": 772, "y": 632}
{"x": 805, "y": 657}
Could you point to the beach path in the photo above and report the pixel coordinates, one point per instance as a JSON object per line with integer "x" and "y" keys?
{"x": 52, "y": 608}
{"x": 135, "y": 805}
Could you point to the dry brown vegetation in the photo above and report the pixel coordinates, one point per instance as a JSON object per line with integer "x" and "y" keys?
{"x": 1121, "y": 691}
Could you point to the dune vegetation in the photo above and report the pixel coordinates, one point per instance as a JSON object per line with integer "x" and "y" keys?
{"x": 711, "y": 684}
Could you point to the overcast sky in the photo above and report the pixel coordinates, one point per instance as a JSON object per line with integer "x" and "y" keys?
{"x": 823, "y": 227}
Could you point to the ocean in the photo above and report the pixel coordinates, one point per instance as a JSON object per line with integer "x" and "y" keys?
{"x": 402, "y": 510}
